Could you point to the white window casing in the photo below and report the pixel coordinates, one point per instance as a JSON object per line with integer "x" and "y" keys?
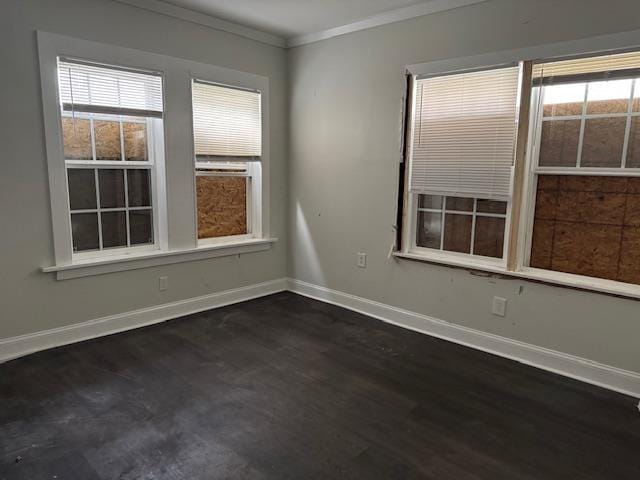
{"x": 564, "y": 63}
{"x": 175, "y": 192}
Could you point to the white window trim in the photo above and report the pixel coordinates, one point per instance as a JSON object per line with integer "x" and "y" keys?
{"x": 177, "y": 226}
{"x": 593, "y": 45}
{"x": 128, "y": 261}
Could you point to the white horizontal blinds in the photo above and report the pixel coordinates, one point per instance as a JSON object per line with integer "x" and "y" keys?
{"x": 86, "y": 87}
{"x": 226, "y": 122}
{"x": 606, "y": 65}
{"x": 464, "y": 134}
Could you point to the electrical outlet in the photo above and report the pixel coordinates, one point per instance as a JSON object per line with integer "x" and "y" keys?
{"x": 499, "y": 306}
{"x": 163, "y": 283}
{"x": 362, "y": 260}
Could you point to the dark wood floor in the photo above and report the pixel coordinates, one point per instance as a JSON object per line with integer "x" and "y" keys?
{"x": 285, "y": 387}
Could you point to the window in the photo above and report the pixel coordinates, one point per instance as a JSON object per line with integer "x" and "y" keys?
{"x": 461, "y": 158}
{"x": 586, "y": 186}
{"x": 110, "y": 118}
{"x": 147, "y": 166}
{"x": 532, "y": 170}
{"x": 228, "y": 149}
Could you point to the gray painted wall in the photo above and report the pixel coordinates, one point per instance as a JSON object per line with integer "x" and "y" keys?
{"x": 345, "y": 107}
{"x": 345, "y": 114}
{"x": 30, "y": 300}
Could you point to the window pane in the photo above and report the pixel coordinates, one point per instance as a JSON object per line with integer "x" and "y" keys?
{"x": 460, "y": 204}
{"x": 603, "y": 142}
{"x": 135, "y": 141}
{"x": 491, "y": 206}
{"x": 429, "y": 230}
{"x": 76, "y": 137}
{"x": 140, "y": 226}
{"x": 139, "y": 187}
{"x": 633, "y": 150}
{"x": 562, "y": 100}
{"x": 111, "y": 188}
{"x": 222, "y": 206}
{"x": 489, "y": 237}
{"x": 84, "y": 228}
{"x": 114, "y": 229}
{"x": 82, "y": 188}
{"x": 457, "y": 233}
{"x": 430, "y": 201}
{"x": 636, "y": 96}
{"x": 107, "y": 140}
{"x": 559, "y": 143}
{"x": 587, "y": 225}
{"x": 609, "y": 96}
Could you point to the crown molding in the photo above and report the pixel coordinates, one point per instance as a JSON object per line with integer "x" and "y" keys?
{"x": 391, "y": 16}
{"x": 164, "y": 8}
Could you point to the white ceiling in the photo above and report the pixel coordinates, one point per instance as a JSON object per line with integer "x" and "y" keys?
{"x": 293, "y": 18}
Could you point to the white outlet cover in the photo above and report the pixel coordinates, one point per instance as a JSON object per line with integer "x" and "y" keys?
{"x": 499, "y": 306}
{"x": 362, "y": 260}
{"x": 163, "y": 283}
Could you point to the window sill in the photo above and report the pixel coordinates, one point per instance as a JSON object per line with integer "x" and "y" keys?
{"x": 568, "y": 280}
{"x": 99, "y": 266}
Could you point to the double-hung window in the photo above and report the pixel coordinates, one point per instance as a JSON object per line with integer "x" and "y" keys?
{"x": 228, "y": 150}
{"x": 531, "y": 169}
{"x": 111, "y": 119}
{"x": 461, "y": 146}
{"x": 151, "y": 159}
{"x": 585, "y": 168}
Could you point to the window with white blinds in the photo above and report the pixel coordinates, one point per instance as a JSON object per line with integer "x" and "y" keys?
{"x": 464, "y": 133}
{"x": 226, "y": 122}
{"x": 602, "y": 67}
{"x": 96, "y": 88}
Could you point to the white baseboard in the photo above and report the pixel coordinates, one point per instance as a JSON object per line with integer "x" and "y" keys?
{"x": 605, "y": 376}
{"x": 25, "y": 344}
{"x": 578, "y": 368}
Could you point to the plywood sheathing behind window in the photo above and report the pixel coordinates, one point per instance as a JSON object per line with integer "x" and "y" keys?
{"x": 222, "y": 206}
{"x": 588, "y": 225}
{"x": 107, "y": 138}
{"x": 135, "y": 144}
{"x": 76, "y": 133}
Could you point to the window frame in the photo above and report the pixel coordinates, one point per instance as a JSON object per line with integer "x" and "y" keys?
{"x": 176, "y": 239}
{"x": 153, "y": 164}
{"x": 534, "y": 170}
{"x": 254, "y": 170}
{"x": 410, "y": 208}
{"x": 521, "y": 208}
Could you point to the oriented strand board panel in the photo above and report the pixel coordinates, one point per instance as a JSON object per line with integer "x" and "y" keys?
{"x": 76, "y": 136}
{"x": 588, "y": 226}
{"x": 457, "y": 233}
{"x": 489, "y": 237}
{"x": 107, "y": 139}
{"x": 603, "y": 142}
{"x": 135, "y": 141}
{"x": 222, "y": 206}
{"x": 559, "y": 143}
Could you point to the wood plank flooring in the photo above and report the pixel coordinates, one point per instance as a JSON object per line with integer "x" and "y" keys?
{"x": 284, "y": 387}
